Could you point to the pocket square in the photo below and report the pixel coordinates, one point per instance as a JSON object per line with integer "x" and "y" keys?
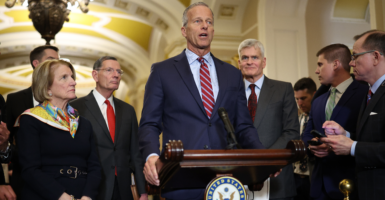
{"x": 373, "y": 113}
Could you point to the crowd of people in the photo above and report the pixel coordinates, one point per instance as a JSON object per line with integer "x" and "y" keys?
{"x": 105, "y": 144}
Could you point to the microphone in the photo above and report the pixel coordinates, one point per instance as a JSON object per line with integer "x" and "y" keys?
{"x": 231, "y": 140}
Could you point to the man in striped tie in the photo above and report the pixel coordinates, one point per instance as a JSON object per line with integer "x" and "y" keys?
{"x": 182, "y": 98}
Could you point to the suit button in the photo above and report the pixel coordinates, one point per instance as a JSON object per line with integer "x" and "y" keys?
{"x": 112, "y": 167}
{"x": 206, "y": 147}
{"x": 114, "y": 148}
{"x": 210, "y": 124}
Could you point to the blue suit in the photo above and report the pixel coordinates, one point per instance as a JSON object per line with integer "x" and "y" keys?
{"x": 173, "y": 105}
{"x": 330, "y": 170}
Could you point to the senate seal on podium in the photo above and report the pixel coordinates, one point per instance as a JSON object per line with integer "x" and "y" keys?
{"x": 225, "y": 188}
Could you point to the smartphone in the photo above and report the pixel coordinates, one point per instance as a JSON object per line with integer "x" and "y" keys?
{"x": 315, "y": 133}
{"x": 314, "y": 143}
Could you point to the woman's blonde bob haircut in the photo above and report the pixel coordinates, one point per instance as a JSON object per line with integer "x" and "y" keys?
{"x": 43, "y": 75}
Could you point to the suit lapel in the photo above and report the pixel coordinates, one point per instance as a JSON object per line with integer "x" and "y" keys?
{"x": 368, "y": 108}
{"x": 265, "y": 96}
{"x": 183, "y": 68}
{"x": 118, "y": 118}
{"x": 323, "y": 100}
{"x": 344, "y": 98}
{"x": 28, "y": 100}
{"x": 222, "y": 77}
{"x": 94, "y": 109}
{"x": 359, "y": 120}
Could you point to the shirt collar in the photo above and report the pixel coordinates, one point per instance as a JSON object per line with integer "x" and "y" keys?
{"x": 341, "y": 88}
{"x": 100, "y": 98}
{"x": 192, "y": 57}
{"x": 377, "y": 84}
{"x": 258, "y": 83}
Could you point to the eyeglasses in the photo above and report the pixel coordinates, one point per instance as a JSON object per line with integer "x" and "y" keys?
{"x": 111, "y": 70}
{"x": 355, "y": 55}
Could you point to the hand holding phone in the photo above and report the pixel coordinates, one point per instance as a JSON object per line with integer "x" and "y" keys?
{"x": 314, "y": 143}
{"x": 316, "y": 133}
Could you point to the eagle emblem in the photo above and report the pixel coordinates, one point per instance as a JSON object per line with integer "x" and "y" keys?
{"x": 225, "y": 188}
{"x": 226, "y": 196}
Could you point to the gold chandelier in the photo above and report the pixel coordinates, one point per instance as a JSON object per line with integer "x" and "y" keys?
{"x": 48, "y": 16}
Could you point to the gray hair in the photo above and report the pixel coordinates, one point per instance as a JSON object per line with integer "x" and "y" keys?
{"x": 251, "y": 43}
{"x": 99, "y": 62}
{"x": 185, "y": 19}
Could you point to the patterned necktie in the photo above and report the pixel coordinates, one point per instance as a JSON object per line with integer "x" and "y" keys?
{"x": 331, "y": 104}
{"x": 369, "y": 96}
{"x": 305, "y": 119}
{"x": 207, "y": 89}
{"x": 252, "y": 104}
{"x": 111, "y": 119}
{"x": 303, "y": 162}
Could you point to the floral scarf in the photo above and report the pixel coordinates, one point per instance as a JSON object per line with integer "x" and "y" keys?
{"x": 54, "y": 116}
{"x": 60, "y": 116}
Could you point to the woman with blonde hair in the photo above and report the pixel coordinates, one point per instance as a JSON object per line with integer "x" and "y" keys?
{"x": 57, "y": 151}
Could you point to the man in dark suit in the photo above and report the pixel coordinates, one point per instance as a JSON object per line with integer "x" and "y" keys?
{"x": 182, "y": 102}
{"x": 20, "y": 101}
{"x": 304, "y": 90}
{"x": 341, "y": 104}
{"x": 274, "y": 111}
{"x": 366, "y": 144}
{"x": 115, "y": 128}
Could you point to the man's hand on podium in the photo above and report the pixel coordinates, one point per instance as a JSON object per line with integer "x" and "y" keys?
{"x": 150, "y": 171}
{"x": 276, "y": 174}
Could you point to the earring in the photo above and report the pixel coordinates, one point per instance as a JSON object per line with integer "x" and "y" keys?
{"x": 50, "y": 94}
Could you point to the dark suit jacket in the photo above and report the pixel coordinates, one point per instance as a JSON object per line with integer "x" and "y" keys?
{"x": 330, "y": 170}
{"x": 370, "y": 148}
{"x": 16, "y": 104}
{"x": 43, "y": 149}
{"x": 2, "y": 104}
{"x": 124, "y": 153}
{"x": 173, "y": 105}
{"x": 277, "y": 123}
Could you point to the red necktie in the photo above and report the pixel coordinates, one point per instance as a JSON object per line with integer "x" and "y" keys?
{"x": 111, "y": 119}
{"x": 207, "y": 89}
{"x": 252, "y": 104}
{"x": 111, "y": 123}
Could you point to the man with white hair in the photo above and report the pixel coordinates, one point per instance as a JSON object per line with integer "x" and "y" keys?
{"x": 273, "y": 110}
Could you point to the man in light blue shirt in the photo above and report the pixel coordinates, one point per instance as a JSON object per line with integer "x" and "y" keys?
{"x": 367, "y": 144}
{"x": 273, "y": 110}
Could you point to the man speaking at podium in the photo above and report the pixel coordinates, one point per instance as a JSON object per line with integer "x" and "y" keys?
{"x": 182, "y": 98}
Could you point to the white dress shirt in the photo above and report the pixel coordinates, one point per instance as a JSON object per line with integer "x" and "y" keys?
{"x": 103, "y": 106}
{"x": 257, "y": 89}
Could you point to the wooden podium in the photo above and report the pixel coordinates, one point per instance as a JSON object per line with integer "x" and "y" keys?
{"x": 179, "y": 168}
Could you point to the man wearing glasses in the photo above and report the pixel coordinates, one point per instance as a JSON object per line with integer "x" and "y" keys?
{"x": 341, "y": 104}
{"x": 115, "y": 129}
{"x": 367, "y": 144}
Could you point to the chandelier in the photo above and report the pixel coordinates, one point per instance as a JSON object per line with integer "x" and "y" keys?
{"x": 48, "y": 16}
